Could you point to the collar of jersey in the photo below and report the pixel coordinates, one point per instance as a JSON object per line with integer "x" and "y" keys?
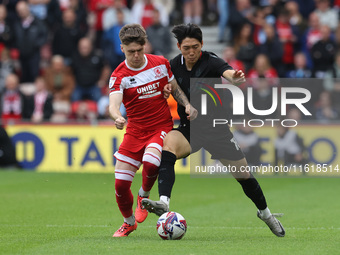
{"x": 138, "y": 69}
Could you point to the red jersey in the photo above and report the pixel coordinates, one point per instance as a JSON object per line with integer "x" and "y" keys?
{"x": 142, "y": 89}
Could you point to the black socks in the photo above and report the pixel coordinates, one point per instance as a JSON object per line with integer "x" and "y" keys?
{"x": 166, "y": 176}
{"x": 253, "y": 190}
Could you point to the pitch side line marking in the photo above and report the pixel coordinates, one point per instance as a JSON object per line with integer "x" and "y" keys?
{"x": 148, "y": 226}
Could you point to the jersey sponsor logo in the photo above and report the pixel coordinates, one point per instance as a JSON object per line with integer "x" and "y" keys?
{"x": 112, "y": 81}
{"x": 148, "y": 90}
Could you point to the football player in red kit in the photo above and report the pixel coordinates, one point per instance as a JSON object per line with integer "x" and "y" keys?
{"x": 138, "y": 82}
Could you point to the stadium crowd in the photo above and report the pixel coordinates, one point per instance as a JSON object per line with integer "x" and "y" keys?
{"x": 56, "y": 56}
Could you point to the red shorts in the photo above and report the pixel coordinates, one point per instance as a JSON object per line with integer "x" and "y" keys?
{"x": 132, "y": 149}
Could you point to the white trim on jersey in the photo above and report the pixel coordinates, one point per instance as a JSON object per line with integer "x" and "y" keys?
{"x": 156, "y": 146}
{"x": 137, "y": 69}
{"x": 125, "y": 175}
{"x": 150, "y": 95}
{"x": 146, "y": 77}
{"x": 127, "y": 159}
{"x": 117, "y": 91}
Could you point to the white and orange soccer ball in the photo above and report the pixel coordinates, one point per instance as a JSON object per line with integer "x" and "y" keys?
{"x": 171, "y": 226}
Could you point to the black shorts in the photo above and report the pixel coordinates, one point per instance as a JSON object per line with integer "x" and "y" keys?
{"x": 220, "y": 147}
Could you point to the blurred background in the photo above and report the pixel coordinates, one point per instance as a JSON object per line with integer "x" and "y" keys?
{"x": 56, "y": 57}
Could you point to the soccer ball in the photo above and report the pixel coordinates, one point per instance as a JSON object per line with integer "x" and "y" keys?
{"x": 171, "y": 226}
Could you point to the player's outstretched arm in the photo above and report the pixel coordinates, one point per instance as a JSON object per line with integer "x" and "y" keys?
{"x": 236, "y": 77}
{"x": 182, "y": 99}
{"x": 115, "y": 102}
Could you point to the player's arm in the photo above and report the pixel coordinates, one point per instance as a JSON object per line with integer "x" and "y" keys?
{"x": 114, "y": 106}
{"x": 182, "y": 99}
{"x": 236, "y": 77}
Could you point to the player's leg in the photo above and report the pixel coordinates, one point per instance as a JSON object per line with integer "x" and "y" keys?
{"x": 253, "y": 190}
{"x": 124, "y": 174}
{"x": 151, "y": 162}
{"x": 176, "y": 146}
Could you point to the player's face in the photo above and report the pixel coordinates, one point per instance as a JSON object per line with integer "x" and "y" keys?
{"x": 191, "y": 50}
{"x": 134, "y": 54}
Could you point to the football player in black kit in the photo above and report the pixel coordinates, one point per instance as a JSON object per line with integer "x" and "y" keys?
{"x": 195, "y": 63}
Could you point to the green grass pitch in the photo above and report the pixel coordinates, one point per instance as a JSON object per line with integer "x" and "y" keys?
{"x": 55, "y": 213}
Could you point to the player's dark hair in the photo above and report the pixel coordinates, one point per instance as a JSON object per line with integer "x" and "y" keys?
{"x": 132, "y": 33}
{"x": 187, "y": 30}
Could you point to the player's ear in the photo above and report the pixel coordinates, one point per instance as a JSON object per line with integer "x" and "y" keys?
{"x": 178, "y": 46}
{"x": 121, "y": 48}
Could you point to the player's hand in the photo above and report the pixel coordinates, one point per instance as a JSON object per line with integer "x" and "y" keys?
{"x": 167, "y": 90}
{"x": 238, "y": 77}
{"x": 120, "y": 122}
{"x": 191, "y": 111}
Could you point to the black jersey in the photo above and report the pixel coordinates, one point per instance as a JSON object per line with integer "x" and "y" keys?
{"x": 208, "y": 66}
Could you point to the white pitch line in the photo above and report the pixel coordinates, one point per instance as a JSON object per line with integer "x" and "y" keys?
{"x": 149, "y": 226}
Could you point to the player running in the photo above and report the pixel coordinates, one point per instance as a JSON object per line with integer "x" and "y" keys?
{"x": 194, "y": 63}
{"x": 138, "y": 82}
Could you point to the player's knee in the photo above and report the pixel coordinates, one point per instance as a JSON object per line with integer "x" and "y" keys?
{"x": 151, "y": 158}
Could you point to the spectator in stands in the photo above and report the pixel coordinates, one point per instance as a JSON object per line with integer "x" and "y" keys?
{"x": 40, "y": 104}
{"x": 110, "y": 18}
{"x": 61, "y": 109}
{"x": 230, "y": 57}
{"x": 287, "y": 38}
{"x": 30, "y": 36}
{"x": 142, "y": 13}
{"x": 223, "y": 7}
{"x": 192, "y": 11}
{"x": 6, "y": 32}
{"x": 159, "y": 36}
{"x": 59, "y": 79}
{"x": 249, "y": 141}
{"x": 85, "y": 110}
{"x": 332, "y": 82}
{"x": 66, "y": 36}
{"x": 111, "y": 43}
{"x": 325, "y": 110}
{"x": 244, "y": 46}
{"x": 12, "y": 102}
{"x": 272, "y": 48}
{"x": 289, "y": 147}
{"x": 323, "y": 53}
{"x": 327, "y": 15}
{"x": 98, "y": 7}
{"x": 87, "y": 67}
{"x": 262, "y": 69}
{"x": 297, "y": 22}
{"x": 53, "y": 19}
{"x": 240, "y": 13}
{"x": 81, "y": 12}
{"x": 262, "y": 98}
{"x": 300, "y": 69}
{"x": 311, "y": 36}
{"x": 6, "y": 67}
{"x": 306, "y": 7}
{"x": 39, "y": 8}
{"x": 11, "y": 12}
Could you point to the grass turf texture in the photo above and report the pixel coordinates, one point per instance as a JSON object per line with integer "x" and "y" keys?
{"x": 51, "y": 213}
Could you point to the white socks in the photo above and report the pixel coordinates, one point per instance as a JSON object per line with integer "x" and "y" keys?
{"x": 131, "y": 220}
{"x": 165, "y": 199}
{"x": 265, "y": 213}
{"x": 143, "y": 193}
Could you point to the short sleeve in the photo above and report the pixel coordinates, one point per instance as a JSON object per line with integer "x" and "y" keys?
{"x": 219, "y": 65}
{"x": 115, "y": 84}
{"x": 170, "y": 74}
